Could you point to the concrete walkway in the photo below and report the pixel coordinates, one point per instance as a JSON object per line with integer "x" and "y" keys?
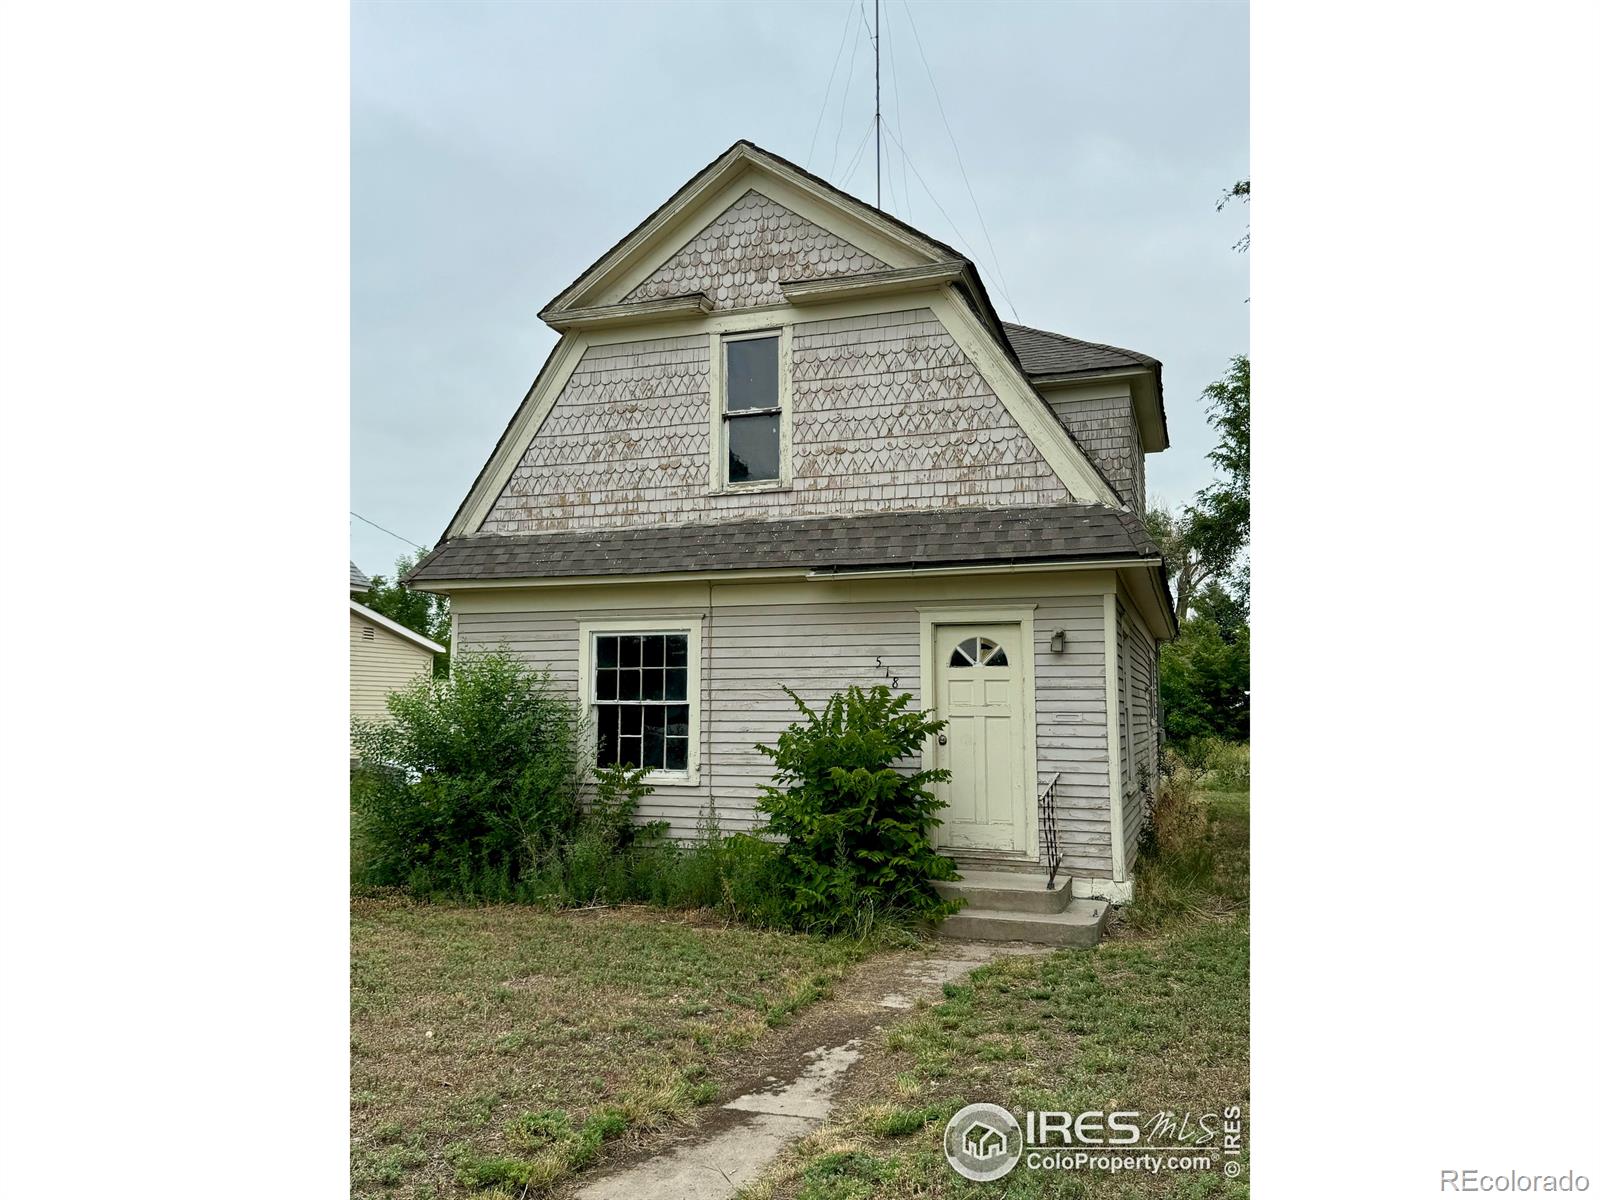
{"x": 737, "y": 1141}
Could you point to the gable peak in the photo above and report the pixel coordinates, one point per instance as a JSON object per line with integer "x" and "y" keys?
{"x": 724, "y": 182}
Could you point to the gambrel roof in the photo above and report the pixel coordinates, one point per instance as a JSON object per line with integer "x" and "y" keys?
{"x": 833, "y": 248}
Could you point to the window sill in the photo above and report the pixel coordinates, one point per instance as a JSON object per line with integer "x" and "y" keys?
{"x": 673, "y": 778}
{"x": 743, "y": 489}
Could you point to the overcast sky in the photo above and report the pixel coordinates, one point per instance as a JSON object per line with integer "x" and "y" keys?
{"x": 497, "y": 149}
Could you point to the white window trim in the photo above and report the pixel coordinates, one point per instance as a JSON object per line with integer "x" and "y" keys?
{"x": 718, "y": 478}
{"x": 587, "y": 630}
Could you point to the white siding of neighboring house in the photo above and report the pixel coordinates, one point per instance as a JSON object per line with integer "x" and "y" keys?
{"x": 381, "y": 662}
{"x": 753, "y": 645}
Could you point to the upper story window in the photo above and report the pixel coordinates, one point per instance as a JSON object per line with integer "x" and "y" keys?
{"x": 752, "y": 419}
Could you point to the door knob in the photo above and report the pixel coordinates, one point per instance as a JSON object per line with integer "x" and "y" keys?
{"x": 941, "y": 739}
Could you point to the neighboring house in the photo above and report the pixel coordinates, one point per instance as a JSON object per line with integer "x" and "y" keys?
{"x": 384, "y": 655}
{"x": 785, "y": 440}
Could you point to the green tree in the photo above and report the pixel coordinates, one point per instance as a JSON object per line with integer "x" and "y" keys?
{"x": 1205, "y": 682}
{"x": 420, "y": 612}
{"x": 1206, "y": 541}
{"x": 1240, "y": 191}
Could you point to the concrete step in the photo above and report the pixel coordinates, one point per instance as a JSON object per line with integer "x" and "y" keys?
{"x": 1015, "y": 891}
{"x": 1079, "y": 924}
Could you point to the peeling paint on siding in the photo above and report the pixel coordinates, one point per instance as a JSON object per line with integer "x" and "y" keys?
{"x": 751, "y": 647}
{"x": 739, "y": 259}
{"x": 1105, "y": 429}
{"x": 889, "y": 413}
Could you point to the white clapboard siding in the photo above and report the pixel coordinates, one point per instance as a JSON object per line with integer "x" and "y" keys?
{"x": 548, "y": 641}
{"x": 381, "y": 662}
{"x": 1136, "y": 648}
{"x": 750, "y": 651}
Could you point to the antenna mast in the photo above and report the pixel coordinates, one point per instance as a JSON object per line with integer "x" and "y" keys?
{"x": 877, "y": 92}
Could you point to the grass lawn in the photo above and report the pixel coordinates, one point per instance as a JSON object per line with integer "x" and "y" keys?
{"x": 1154, "y": 1019}
{"x": 502, "y": 1047}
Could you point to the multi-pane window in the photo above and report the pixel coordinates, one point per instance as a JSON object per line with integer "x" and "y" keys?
{"x": 641, "y": 700}
{"x": 752, "y": 408}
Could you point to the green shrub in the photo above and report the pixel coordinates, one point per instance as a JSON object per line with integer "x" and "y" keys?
{"x": 473, "y": 782}
{"x": 854, "y": 817}
{"x": 1224, "y": 766}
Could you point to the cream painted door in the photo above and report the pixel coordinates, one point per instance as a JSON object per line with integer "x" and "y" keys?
{"x": 978, "y": 679}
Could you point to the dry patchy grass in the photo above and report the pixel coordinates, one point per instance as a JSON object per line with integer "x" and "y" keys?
{"x": 502, "y": 1047}
{"x": 1155, "y": 1018}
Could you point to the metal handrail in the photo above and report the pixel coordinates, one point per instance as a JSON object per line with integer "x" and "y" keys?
{"x": 1049, "y": 839}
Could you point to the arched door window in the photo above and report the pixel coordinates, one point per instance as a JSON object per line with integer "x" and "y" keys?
{"x": 978, "y": 652}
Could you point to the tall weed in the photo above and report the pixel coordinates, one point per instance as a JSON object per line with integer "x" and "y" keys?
{"x": 853, "y": 819}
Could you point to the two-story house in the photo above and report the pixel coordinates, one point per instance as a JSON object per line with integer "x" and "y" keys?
{"x": 785, "y": 440}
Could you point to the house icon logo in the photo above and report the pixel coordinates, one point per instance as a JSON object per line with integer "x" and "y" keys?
{"x": 983, "y": 1142}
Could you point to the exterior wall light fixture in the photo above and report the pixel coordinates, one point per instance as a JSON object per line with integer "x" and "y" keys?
{"x": 1058, "y": 642}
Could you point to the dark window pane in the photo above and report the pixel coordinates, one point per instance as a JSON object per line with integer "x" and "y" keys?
{"x": 677, "y": 720}
{"x": 958, "y": 659}
{"x": 605, "y": 685}
{"x": 628, "y": 651}
{"x": 653, "y": 683}
{"x": 752, "y": 448}
{"x": 605, "y": 651}
{"x": 997, "y": 659}
{"x": 630, "y": 754}
{"x": 654, "y": 736}
{"x": 628, "y": 685}
{"x": 630, "y": 720}
{"x": 677, "y": 650}
{"x": 677, "y": 754}
{"x": 677, "y": 683}
{"x": 752, "y": 380}
{"x": 653, "y": 650}
{"x": 606, "y": 737}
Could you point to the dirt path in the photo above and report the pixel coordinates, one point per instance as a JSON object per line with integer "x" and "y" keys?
{"x": 789, "y": 1081}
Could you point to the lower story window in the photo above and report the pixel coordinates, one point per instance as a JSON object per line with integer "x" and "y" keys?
{"x": 641, "y": 700}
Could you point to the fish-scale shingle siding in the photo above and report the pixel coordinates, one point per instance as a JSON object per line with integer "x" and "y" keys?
{"x": 889, "y": 413}
{"x": 1105, "y": 429}
{"x": 740, "y": 258}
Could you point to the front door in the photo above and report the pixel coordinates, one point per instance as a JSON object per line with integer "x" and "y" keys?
{"x": 978, "y": 684}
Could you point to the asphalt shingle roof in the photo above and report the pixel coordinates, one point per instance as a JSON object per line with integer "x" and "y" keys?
{"x": 885, "y": 540}
{"x": 1043, "y": 353}
{"x": 358, "y": 581}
